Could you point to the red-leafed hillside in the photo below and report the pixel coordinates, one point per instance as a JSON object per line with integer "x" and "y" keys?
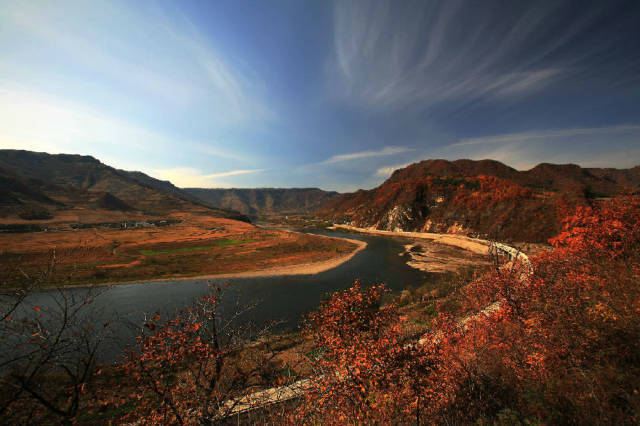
{"x": 479, "y": 197}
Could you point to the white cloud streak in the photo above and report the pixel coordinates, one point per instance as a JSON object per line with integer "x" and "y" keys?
{"x": 188, "y": 177}
{"x": 141, "y": 49}
{"x": 33, "y": 121}
{"x": 386, "y": 171}
{"x": 405, "y": 54}
{"x": 232, "y": 173}
{"x": 384, "y": 152}
{"x": 548, "y": 134}
{"x": 612, "y": 146}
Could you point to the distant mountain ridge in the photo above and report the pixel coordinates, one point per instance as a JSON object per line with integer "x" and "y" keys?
{"x": 555, "y": 177}
{"x": 264, "y": 201}
{"x": 35, "y": 180}
{"x": 482, "y": 197}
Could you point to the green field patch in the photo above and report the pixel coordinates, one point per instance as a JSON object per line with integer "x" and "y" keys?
{"x": 220, "y": 243}
{"x": 175, "y": 250}
{"x": 227, "y": 242}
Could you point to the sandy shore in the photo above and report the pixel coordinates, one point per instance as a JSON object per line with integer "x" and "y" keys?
{"x": 474, "y": 245}
{"x": 299, "y": 269}
{"x": 428, "y": 260}
{"x": 430, "y": 256}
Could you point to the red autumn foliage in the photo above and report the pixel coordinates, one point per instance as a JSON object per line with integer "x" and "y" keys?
{"x": 187, "y": 370}
{"x": 176, "y": 366}
{"x": 561, "y": 346}
{"x": 356, "y": 341}
{"x": 484, "y": 204}
{"x": 492, "y": 191}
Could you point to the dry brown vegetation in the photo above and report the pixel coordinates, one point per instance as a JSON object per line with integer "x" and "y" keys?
{"x": 198, "y": 245}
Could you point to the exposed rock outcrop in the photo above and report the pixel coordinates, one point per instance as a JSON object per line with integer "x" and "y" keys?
{"x": 485, "y": 198}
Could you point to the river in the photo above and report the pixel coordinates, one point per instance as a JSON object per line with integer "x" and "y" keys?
{"x": 280, "y": 298}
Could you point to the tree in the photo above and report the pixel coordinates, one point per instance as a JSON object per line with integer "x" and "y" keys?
{"x": 559, "y": 343}
{"x": 194, "y": 367}
{"x": 564, "y": 345}
{"x": 48, "y": 354}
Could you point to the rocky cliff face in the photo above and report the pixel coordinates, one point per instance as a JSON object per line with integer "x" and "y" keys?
{"x": 484, "y": 198}
{"x": 265, "y": 201}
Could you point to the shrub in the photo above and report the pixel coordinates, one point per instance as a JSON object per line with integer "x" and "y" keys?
{"x": 35, "y": 213}
{"x": 559, "y": 345}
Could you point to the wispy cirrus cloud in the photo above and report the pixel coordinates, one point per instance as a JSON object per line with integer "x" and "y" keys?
{"x": 589, "y": 146}
{"x": 39, "y": 122}
{"x": 186, "y": 177}
{"x": 233, "y": 173}
{"x": 386, "y": 171}
{"x": 389, "y": 55}
{"x": 607, "y": 146}
{"x": 556, "y": 134}
{"x": 383, "y": 152}
{"x": 134, "y": 49}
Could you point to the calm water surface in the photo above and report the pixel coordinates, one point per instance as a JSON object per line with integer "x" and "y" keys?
{"x": 279, "y": 298}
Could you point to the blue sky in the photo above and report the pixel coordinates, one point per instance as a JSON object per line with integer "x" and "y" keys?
{"x": 325, "y": 94}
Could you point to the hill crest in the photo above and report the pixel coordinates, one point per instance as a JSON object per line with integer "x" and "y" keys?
{"x": 53, "y": 182}
{"x": 482, "y": 197}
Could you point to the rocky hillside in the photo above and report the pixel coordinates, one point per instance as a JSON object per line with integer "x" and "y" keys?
{"x": 37, "y": 185}
{"x": 265, "y": 201}
{"x": 483, "y": 197}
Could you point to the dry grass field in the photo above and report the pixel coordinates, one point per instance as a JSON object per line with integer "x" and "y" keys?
{"x": 198, "y": 245}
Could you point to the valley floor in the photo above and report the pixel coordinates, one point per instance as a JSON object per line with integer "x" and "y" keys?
{"x": 191, "y": 245}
